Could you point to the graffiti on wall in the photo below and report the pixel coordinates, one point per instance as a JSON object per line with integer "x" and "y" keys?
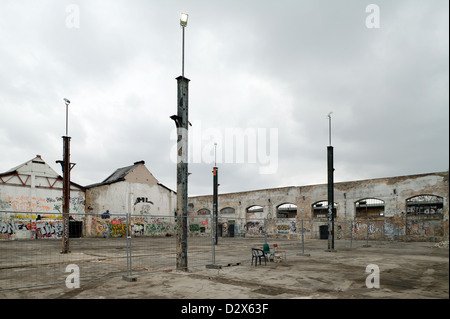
{"x": 39, "y": 229}
{"x": 9, "y": 228}
{"x": 25, "y": 203}
{"x": 118, "y": 229}
{"x": 203, "y": 211}
{"x": 104, "y": 226}
{"x": 254, "y": 227}
{"x": 194, "y": 227}
{"x": 160, "y": 227}
{"x": 227, "y": 211}
{"x": 286, "y": 227}
{"x": 145, "y": 205}
{"x": 424, "y": 228}
{"x": 50, "y": 229}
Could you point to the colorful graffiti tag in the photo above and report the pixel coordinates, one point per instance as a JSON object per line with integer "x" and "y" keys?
{"x": 27, "y": 229}
{"x": 288, "y": 227}
{"x": 254, "y": 227}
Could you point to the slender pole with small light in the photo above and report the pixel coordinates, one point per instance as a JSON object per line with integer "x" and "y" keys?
{"x": 67, "y": 116}
{"x": 183, "y": 22}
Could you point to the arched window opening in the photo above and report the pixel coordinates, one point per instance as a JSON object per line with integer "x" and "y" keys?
{"x": 369, "y": 207}
{"x": 287, "y": 210}
{"x": 254, "y": 212}
{"x": 203, "y": 211}
{"x": 227, "y": 211}
{"x": 255, "y": 209}
{"x": 425, "y": 205}
{"x": 320, "y": 210}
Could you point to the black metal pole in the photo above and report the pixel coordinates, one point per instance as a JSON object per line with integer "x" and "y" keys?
{"x": 215, "y": 201}
{"x": 330, "y": 198}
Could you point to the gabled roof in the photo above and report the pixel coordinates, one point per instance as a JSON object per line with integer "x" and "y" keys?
{"x": 36, "y": 166}
{"x": 118, "y": 175}
{"x": 19, "y": 168}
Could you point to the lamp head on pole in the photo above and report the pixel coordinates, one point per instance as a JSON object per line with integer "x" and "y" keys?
{"x": 184, "y": 19}
{"x": 67, "y": 101}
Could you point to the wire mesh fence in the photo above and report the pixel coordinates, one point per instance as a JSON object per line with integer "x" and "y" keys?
{"x": 124, "y": 245}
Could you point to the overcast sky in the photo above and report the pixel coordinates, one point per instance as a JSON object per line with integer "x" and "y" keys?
{"x": 275, "y": 69}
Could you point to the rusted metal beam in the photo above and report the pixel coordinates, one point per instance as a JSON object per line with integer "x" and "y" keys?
{"x": 66, "y": 193}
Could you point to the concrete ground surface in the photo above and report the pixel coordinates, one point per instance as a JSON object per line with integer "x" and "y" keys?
{"x": 407, "y": 270}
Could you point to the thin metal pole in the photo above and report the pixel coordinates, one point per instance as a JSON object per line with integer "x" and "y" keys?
{"x": 265, "y": 230}
{"x": 329, "y": 128}
{"x": 367, "y": 231}
{"x": 351, "y": 233}
{"x": 215, "y": 202}
{"x": 128, "y": 246}
{"x": 182, "y": 56}
{"x": 213, "y": 250}
{"x": 303, "y": 239}
{"x": 67, "y": 119}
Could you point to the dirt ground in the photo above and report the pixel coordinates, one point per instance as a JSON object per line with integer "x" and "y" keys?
{"x": 413, "y": 270}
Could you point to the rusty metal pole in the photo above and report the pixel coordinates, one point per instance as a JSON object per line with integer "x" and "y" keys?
{"x": 66, "y": 193}
{"x": 181, "y": 121}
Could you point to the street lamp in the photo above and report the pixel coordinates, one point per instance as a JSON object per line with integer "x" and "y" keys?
{"x": 184, "y": 19}
{"x": 67, "y": 115}
{"x": 183, "y": 22}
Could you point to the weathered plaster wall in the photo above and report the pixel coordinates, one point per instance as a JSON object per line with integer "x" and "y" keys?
{"x": 151, "y": 206}
{"x": 17, "y": 203}
{"x": 393, "y": 191}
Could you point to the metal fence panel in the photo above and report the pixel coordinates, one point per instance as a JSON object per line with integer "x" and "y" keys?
{"x": 124, "y": 245}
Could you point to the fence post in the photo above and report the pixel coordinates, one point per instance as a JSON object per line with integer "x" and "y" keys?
{"x": 265, "y": 230}
{"x": 367, "y": 236}
{"x": 303, "y": 239}
{"x": 303, "y": 242}
{"x": 351, "y": 234}
{"x": 129, "y": 276}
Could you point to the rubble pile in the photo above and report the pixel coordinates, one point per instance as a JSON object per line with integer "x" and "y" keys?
{"x": 442, "y": 244}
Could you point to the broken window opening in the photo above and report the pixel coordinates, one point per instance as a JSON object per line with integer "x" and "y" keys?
{"x": 369, "y": 207}
{"x": 320, "y": 210}
{"x": 287, "y": 210}
{"x": 425, "y": 205}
